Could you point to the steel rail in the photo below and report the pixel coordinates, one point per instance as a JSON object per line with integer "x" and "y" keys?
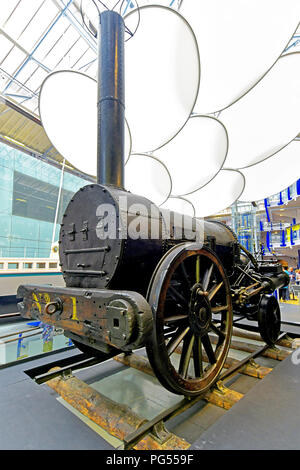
{"x": 235, "y": 368}
{"x": 87, "y": 362}
{"x": 151, "y": 426}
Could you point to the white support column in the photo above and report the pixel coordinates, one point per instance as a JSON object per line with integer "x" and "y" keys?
{"x": 58, "y": 200}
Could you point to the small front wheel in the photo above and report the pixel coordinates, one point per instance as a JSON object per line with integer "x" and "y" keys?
{"x": 269, "y": 319}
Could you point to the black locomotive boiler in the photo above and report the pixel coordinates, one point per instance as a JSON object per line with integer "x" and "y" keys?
{"x": 173, "y": 295}
{"x": 175, "y": 290}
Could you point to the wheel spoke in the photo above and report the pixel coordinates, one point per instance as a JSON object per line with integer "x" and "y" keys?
{"x": 198, "y": 269}
{"x": 217, "y": 331}
{"x": 185, "y": 278}
{"x": 207, "y": 277}
{"x": 177, "y": 296}
{"x": 175, "y": 318}
{"x": 209, "y": 349}
{"x": 197, "y": 357}
{"x": 214, "y": 290}
{"x": 186, "y": 355}
{"x": 219, "y": 309}
{"x": 175, "y": 341}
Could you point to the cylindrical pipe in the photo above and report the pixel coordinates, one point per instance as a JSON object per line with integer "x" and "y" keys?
{"x": 111, "y": 102}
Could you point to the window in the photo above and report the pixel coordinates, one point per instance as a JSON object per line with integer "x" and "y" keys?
{"x": 52, "y": 265}
{"x": 37, "y": 199}
{"x": 41, "y": 265}
{"x": 1, "y": 265}
{"x": 13, "y": 265}
{"x": 27, "y": 265}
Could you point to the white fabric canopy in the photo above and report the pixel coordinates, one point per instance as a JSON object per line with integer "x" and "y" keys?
{"x": 239, "y": 40}
{"x": 161, "y": 76}
{"x": 196, "y": 154}
{"x": 148, "y": 177}
{"x": 179, "y": 204}
{"x": 218, "y": 194}
{"x": 267, "y": 118}
{"x": 68, "y": 110}
{"x": 272, "y": 175}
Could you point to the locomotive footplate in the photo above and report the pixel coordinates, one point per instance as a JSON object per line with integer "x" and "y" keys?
{"x": 100, "y": 318}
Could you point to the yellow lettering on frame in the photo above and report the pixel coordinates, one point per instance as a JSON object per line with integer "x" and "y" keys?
{"x": 47, "y": 297}
{"x": 37, "y": 302}
{"x": 74, "y": 316}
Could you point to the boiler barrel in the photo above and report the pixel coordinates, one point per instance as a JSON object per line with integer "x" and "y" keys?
{"x": 100, "y": 242}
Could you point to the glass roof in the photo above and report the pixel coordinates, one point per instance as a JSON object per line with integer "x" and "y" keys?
{"x": 40, "y": 36}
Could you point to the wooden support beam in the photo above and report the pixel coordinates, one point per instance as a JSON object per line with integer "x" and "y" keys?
{"x": 222, "y": 396}
{"x": 140, "y": 363}
{"x": 271, "y": 352}
{"x": 118, "y": 420}
{"x": 252, "y": 368}
{"x": 285, "y": 342}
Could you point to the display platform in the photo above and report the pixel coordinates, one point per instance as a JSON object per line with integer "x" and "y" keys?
{"x": 267, "y": 417}
{"x": 32, "y": 417}
{"x": 264, "y": 415}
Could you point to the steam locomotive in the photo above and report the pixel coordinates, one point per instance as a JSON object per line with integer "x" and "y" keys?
{"x": 174, "y": 293}
{"x": 173, "y": 290}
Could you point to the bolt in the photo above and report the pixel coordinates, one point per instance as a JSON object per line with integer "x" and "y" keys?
{"x": 51, "y": 308}
{"x": 201, "y": 292}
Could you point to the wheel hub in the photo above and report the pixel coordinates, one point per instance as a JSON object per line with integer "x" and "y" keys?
{"x": 200, "y": 314}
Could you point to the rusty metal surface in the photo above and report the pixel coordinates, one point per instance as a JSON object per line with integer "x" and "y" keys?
{"x": 270, "y": 352}
{"x": 118, "y": 420}
{"x": 140, "y": 363}
{"x": 222, "y": 396}
{"x": 120, "y": 319}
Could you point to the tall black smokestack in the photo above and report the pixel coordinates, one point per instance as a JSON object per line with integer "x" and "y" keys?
{"x": 111, "y": 100}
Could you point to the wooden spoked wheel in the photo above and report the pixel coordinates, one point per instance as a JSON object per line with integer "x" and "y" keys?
{"x": 192, "y": 319}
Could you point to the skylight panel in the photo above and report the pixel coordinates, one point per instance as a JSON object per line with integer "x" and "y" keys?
{"x": 38, "y": 25}
{"x": 77, "y": 52}
{"x": 27, "y": 71}
{"x": 36, "y": 79}
{"x": 61, "y": 49}
{"x": 85, "y": 60}
{"x": 50, "y": 40}
{"x": 7, "y": 9}
{"x": 14, "y": 59}
{"x": 21, "y": 17}
{"x": 5, "y": 46}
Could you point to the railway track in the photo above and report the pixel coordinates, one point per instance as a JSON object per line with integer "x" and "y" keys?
{"x": 249, "y": 361}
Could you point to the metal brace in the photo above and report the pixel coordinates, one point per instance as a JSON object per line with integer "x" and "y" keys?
{"x": 84, "y": 230}
{"x": 220, "y": 387}
{"x": 72, "y": 232}
{"x": 66, "y": 374}
{"x": 274, "y": 348}
{"x": 160, "y": 433}
{"x": 254, "y": 364}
